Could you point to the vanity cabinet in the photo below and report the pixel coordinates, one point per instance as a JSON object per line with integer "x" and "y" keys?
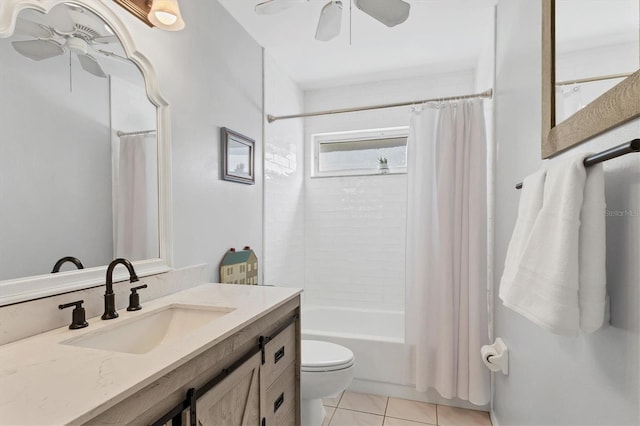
{"x": 278, "y": 379}
{"x": 233, "y": 401}
{"x": 251, "y": 377}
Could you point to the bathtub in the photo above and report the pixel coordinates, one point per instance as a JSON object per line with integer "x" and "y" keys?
{"x": 376, "y": 338}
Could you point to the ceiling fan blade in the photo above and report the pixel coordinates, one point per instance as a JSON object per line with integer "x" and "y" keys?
{"x": 330, "y": 21}
{"x": 389, "y": 12}
{"x": 105, "y": 39}
{"x": 91, "y": 65}
{"x": 113, "y": 55}
{"x": 38, "y": 49}
{"x": 270, "y": 7}
{"x": 30, "y": 28}
{"x": 60, "y": 19}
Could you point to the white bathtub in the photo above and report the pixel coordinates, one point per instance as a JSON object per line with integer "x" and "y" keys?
{"x": 375, "y": 337}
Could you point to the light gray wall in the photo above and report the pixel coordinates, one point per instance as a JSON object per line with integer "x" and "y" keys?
{"x": 55, "y": 165}
{"x": 590, "y": 379}
{"x": 211, "y": 75}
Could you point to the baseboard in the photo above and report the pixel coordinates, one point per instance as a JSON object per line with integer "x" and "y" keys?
{"x": 408, "y": 392}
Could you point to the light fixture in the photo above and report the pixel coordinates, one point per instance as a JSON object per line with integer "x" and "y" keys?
{"x": 330, "y": 21}
{"x": 165, "y": 14}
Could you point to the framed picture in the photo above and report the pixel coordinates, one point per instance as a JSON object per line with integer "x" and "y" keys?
{"x": 238, "y": 158}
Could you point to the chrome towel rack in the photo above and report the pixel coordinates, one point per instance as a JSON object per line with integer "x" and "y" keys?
{"x": 616, "y": 151}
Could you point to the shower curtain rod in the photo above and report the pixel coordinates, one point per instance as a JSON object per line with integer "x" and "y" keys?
{"x": 485, "y": 94}
{"x": 616, "y": 151}
{"x": 592, "y": 79}
{"x": 141, "y": 132}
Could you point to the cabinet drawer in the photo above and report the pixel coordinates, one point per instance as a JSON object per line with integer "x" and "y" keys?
{"x": 281, "y": 399}
{"x": 278, "y": 354}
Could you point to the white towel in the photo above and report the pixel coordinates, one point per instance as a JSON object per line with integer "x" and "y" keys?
{"x": 528, "y": 209}
{"x": 554, "y": 266}
{"x": 593, "y": 275}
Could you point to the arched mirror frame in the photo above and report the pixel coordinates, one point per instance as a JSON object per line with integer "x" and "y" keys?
{"x": 616, "y": 106}
{"x": 28, "y": 288}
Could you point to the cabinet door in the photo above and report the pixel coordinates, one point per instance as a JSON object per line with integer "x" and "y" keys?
{"x": 278, "y": 354}
{"x": 233, "y": 401}
{"x": 279, "y": 404}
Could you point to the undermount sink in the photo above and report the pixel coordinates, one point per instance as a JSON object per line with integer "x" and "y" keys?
{"x": 139, "y": 335}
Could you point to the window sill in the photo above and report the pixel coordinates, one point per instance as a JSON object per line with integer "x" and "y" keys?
{"x": 360, "y": 173}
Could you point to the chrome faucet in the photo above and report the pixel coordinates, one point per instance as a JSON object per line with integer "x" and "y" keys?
{"x": 74, "y": 260}
{"x": 109, "y": 296}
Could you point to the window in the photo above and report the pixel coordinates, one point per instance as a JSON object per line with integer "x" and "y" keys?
{"x": 241, "y": 268}
{"x": 358, "y": 152}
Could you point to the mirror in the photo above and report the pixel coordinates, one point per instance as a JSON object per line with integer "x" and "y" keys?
{"x": 591, "y": 57}
{"x": 84, "y": 156}
{"x": 597, "y": 45}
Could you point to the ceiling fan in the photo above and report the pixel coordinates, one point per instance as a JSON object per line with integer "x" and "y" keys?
{"x": 69, "y": 28}
{"x": 388, "y": 12}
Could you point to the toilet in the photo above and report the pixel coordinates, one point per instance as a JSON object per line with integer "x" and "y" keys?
{"x": 326, "y": 370}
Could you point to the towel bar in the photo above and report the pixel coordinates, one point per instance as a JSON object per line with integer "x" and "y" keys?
{"x": 616, "y": 151}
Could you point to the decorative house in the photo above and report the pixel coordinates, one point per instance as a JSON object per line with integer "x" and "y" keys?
{"x": 239, "y": 267}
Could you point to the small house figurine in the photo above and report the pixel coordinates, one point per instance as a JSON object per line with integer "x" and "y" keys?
{"x": 239, "y": 267}
{"x": 383, "y": 167}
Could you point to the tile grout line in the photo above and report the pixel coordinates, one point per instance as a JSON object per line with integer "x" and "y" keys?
{"x": 360, "y": 411}
{"x": 411, "y": 421}
{"x": 331, "y": 416}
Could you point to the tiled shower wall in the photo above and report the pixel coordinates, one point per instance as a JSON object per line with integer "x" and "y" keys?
{"x": 284, "y": 182}
{"x": 341, "y": 238}
{"x": 355, "y": 226}
{"x": 356, "y": 241}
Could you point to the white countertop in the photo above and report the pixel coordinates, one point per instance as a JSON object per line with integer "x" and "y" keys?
{"x": 48, "y": 383}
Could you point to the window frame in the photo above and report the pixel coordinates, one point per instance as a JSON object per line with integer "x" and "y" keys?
{"x": 317, "y": 139}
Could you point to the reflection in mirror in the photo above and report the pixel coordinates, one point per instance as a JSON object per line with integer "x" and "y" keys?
{"x": 597, "y": 46}
{"x": 78, "y": 154}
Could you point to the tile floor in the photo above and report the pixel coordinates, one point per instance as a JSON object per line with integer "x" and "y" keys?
{"x": 356, "y": 409}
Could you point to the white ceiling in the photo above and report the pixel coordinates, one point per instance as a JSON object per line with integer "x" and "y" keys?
{"x": 439, "y": 36}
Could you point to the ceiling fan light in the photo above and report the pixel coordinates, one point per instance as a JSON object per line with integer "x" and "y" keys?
{"x": 330, "y": 21}
{"x": 77, "y": 45}
{"x": 389, "y": 12}
{"x": 165, "y": 14}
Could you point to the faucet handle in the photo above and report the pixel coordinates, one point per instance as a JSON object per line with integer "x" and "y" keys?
{"x": 134, "y": 298}
{"x": 78, "y": 314}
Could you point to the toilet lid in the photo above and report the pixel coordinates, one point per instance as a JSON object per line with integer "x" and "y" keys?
{"x": 324, "y": 356}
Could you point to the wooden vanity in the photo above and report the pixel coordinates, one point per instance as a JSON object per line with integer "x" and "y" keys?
{"x": 242, "y": 369}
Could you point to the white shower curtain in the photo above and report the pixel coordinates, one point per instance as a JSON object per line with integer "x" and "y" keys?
{"x": 446, "y": 298}
{"x": 131, "y": 200}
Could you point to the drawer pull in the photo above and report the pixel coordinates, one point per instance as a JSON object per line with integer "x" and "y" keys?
{"x": 278, "y": 402}
{"x": 278, "y": 355}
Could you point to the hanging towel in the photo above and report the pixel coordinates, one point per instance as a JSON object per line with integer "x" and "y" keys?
{"x": 593, "y": 275}
{"x": 554, "y": 272}
{"x": 530, "y": 205}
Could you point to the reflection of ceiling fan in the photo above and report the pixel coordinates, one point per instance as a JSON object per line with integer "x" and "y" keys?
{"x": 71, "y": 29}
{"x": 389, "y": 12}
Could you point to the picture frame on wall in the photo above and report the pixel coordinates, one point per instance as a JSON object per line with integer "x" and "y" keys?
{"x": 238, "y": 157}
